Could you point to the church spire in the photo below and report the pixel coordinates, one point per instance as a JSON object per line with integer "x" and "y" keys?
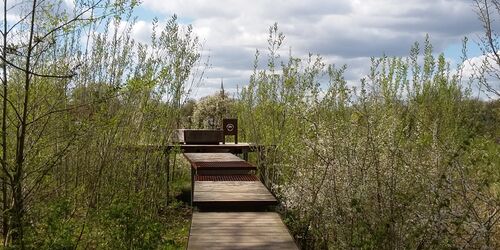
{"x": 222, "y": 87}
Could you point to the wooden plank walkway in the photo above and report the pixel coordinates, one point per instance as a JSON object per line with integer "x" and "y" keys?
{"x": 232, "y": 193}
{"x": 212, "y": 157}
{"x": 239, "y": 230}
{"x": 224, "y": 182}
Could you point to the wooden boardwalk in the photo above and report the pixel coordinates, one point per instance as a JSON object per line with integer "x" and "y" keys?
{"x": 212, "y": 157}
{"x": 225, "y": 183}
{"x": 231, "y": 193}
{"x": 239, "y": 230}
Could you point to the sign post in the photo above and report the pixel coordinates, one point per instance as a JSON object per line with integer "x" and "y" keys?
{"x": 230, "y": 127}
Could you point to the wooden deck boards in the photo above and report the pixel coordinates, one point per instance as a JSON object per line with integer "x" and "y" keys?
{"x": 231, "y": 191}
{"x": 211, "y": 157}
{"x": 228, "y": 145}
{"x": 224, "y": 182}
{"x": 218, "y": 164}
{"x": 241, "y": 230}
{"x": 236, "y": 177}
{"x": 225, "y": 165}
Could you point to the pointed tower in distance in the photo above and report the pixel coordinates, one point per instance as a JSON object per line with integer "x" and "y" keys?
{"x": 222, "y": 88}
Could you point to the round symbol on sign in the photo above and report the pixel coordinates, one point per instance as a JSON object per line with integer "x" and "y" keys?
{"x": 229, "y": 127}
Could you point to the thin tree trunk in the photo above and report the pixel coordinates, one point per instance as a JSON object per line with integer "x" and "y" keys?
{"x": 167, "y": 165}
{"x": 5, "y": 203}
{"x": 17, "y": 185}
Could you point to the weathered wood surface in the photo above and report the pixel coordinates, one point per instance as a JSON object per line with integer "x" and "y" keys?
{"x": 228, "y": 145}
{"x": 223, "y": 168}
{"x": 222, "y": 182}
{"x": 188, "y": 148}
{"x": 211, "y": 157}
{"x": 219, "y": 172}
{"x": 235, "y": 177}
{"x": 239, "y": 230}
{"x": 231, "y": 191}
{"x": 199, "y": 136}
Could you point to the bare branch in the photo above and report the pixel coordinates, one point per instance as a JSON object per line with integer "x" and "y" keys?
{"x": 34, "y": 73}
{"x": 22, "y": 19}
{"x": 72, "y": 108}
{"x": 48, "y": 166}
{"x": 489, "y": 44}
{"x": 489, "y": 32}
{"x": 74, "y": 19}
{"x": 12, "y": 105}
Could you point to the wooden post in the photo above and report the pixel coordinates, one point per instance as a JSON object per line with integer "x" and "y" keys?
{"x": 245, "y": 155}
{"x": 262, "y": 166}
{"x": 167, "y": 165}
{"x": 192, "y": 185}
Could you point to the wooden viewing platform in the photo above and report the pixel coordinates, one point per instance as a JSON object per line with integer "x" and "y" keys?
{"x": 225, "y": 183}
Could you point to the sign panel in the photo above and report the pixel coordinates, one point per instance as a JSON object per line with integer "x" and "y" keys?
{"x": 230, "y": 127}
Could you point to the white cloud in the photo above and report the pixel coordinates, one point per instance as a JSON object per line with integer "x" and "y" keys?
{"x": 141, "y": 31}
{"x": 472, "y": 68}
{"x": 342, "y": 31}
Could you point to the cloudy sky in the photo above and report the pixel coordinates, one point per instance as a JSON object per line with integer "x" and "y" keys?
{"x": 342, "y": 31}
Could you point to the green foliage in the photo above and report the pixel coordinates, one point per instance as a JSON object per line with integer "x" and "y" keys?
{"x": 119, "y": 225}
{"x": 210, "y": 110}
{"x": 97, "y": 115}
{"x": 57, "y": 228}
{"x": 123, "y": 228}
{"x": 187, "y": 112}
{"x": 403, "y": 160}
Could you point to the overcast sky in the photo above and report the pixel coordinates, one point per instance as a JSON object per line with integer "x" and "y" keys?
{"x": 342, "y": 31}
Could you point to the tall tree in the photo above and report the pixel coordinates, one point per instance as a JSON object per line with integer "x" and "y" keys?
{"x": 37, "y": 68}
